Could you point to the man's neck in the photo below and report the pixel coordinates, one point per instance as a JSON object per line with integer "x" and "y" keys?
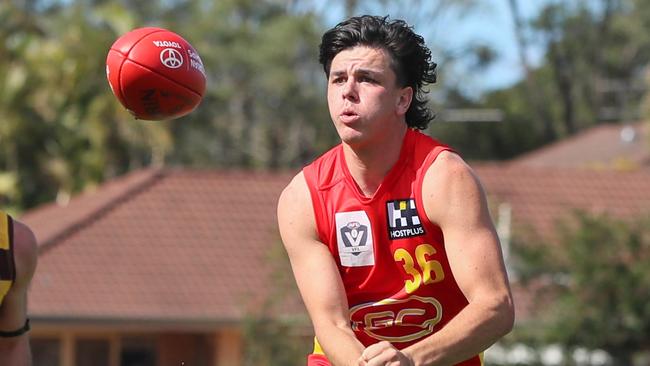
{"x": 370, "y": 164}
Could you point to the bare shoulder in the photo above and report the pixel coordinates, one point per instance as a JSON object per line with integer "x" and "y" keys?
{"x": 448, "y": 173}
{"x": 450, "y": 186}
{"x": 295, "y": 197}
{"x": 295, "y": 211}
{"x": 25, "y": 252}
{"x": 295, "y": 192}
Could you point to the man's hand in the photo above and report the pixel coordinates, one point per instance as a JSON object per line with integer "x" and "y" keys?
{"x": 383, "y": 354}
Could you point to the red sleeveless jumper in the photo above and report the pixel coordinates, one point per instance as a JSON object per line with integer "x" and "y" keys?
{"x": 391, "y": 259}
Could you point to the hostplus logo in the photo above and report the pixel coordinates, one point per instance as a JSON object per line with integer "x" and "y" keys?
{"x": 403, "y": 219}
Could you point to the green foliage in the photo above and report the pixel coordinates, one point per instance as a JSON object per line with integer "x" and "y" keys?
{"x": 279, "y": 332}
{"x": 592, "y": 286}
{"x": 265, "y": 105}
{"x": 63, "y": 131}
{"x": 272, "y": 342}
{"x": 514, "y": 135}
{"x": 593, "y": 71}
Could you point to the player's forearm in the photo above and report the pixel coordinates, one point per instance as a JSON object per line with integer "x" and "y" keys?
{"x": 340, "y": 345}
{"x": 472, "y": 331}
{"x": 15, "y": 351}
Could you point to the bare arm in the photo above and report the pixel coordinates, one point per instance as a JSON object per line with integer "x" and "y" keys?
{"x": 13, "y": 312}
{"x": 454, "y": 199}
{"x": 316, "y": 274}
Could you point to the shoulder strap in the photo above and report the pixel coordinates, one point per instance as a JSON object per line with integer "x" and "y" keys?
{"x": 7, "y": 267}
{"x": 5, "y": 227}
{"x": 426, "y": 164}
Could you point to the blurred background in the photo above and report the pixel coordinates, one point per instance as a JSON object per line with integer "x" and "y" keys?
{"x": 158, "y": 242}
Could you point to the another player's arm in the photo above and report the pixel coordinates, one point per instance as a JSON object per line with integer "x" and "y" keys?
{"x": 316, "y": 274}
{"x": 454, "y": 199}
{"x": 13, "y": 312}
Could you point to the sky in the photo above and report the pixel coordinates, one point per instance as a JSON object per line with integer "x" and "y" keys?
{"x": 492, "y": 24}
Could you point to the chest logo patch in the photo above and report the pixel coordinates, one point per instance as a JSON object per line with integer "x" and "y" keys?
{"x": 403, "y": 219}
{"x": 354, "y": 239}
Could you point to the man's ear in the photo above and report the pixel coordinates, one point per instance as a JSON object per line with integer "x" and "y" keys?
{"x": 404, "y": 101}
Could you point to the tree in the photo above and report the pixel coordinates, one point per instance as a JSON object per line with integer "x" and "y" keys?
{"x": 265, "y": 106}
{"x": 595, "y": 59}
{"x": 541, "y": 114}
{"x": 63, "y": 131}
{"x": 278, "y": 332}
{"x": 596, "y": 282}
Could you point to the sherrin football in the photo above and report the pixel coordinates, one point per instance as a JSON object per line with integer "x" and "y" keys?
{"x": 155, "y": 74}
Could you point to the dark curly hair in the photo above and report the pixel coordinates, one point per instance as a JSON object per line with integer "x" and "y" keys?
{"x": 411, "y": 57}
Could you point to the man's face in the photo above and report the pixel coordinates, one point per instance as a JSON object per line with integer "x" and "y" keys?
{"x": 363, "y": 97}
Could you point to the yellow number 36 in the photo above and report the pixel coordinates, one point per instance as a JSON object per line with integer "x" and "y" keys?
{"x": 430, "y": 271}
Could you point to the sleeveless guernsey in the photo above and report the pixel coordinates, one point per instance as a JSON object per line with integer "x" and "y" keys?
{"x": 391, "y": 259}
{"x": 7, "y": 267}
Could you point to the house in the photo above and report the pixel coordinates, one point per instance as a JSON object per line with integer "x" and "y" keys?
{"x": 605, "y": 146}
{"x": 155, "y": 268}
{"x": 539, "y": 197}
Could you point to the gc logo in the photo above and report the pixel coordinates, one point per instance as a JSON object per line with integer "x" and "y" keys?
{"x": 171, "y": 58}
{"x": 397, "y": 320}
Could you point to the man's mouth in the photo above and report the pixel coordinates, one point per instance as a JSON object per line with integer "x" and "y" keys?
{"x": 348, "y": 116}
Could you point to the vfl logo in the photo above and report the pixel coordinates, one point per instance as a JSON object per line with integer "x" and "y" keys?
{"x": 171, "y": 58}
{"x": 354, "y": 239}
{"x": 403, "y": 219}
{"x": 354, "y": 236}
{"x": 396, "y": 320}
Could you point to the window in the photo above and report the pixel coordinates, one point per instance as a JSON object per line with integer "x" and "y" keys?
{"x": 138, "y": 351}
{"x": 92, "y": 352}
{"x": 45, "y": 351}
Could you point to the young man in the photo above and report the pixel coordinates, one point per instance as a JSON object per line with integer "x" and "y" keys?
{"x": 388, "y": 233}
{"x": 18, "y": 254}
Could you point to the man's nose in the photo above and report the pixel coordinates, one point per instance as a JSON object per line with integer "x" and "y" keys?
{"x": 350, "y": 89}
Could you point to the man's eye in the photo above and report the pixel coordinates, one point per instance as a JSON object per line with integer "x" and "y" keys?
{"x": 366, "y": 79}
{"x": 338, "y": 80}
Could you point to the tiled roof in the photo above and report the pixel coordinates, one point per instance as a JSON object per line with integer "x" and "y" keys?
{"x": 540, "y": 197}
{"x": 54, "y": 221}
{"x": 623, "y": 147}
{"x": 186, "y": 245}
{"x": 171, "y": 244}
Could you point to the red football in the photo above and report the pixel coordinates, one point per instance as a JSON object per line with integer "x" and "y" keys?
{"x": 155, "y": 74}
